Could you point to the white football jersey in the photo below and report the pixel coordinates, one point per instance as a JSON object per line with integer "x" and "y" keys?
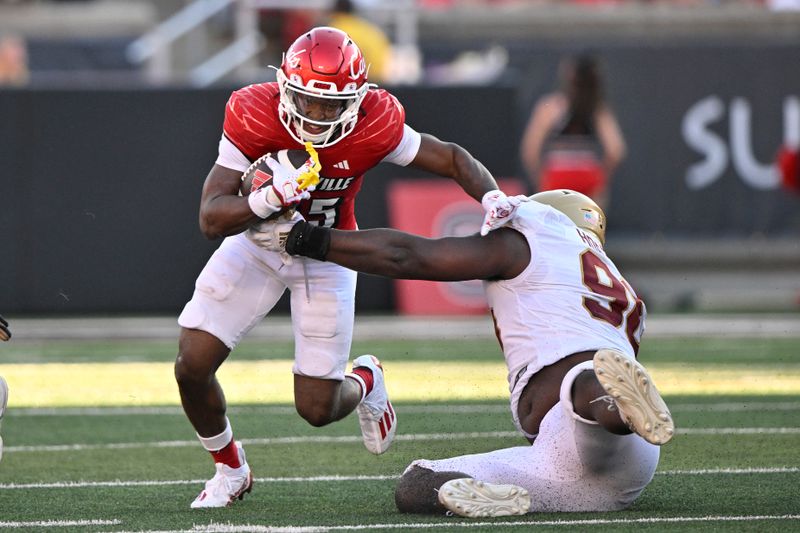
{"x": 571, "y": 297}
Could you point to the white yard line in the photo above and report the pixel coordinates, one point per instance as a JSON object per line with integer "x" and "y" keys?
{"x": 739, "y": 431}
{"x": 156, "y": 483}
{"x": 339, "y": 479}
{"x": 734, "y": 407}
{"x": 458, "y": 523}
{"x": 410, "y": 409}
{"x": 723, "y": 471}
{"x": 315, "y": 439}
{"x": 399, "y": 327}
{"x": 59, "y": 523}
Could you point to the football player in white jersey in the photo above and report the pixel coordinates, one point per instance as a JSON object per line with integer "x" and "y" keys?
{"x": 569, "y": 326}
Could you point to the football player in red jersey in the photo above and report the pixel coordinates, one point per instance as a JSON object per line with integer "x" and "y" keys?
{"x": 321, "y": 96}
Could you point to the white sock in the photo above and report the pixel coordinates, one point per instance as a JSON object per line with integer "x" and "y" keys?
{"x": 360, "y": 381}
{"x": 217, "y": 442}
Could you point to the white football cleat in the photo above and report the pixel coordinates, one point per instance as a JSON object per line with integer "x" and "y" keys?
{"x": 375, "y": 412}
{"x": 475, "y": 499}
{"x": 226, "y": 485}
{"x": 637, "y": 399}
{"x": 3, "y": 404}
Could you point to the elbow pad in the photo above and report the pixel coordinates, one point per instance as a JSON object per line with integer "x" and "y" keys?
{"x": 308, "y": 240}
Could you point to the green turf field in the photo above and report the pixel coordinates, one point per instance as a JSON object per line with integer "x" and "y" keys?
{"x": 95, "y": 440}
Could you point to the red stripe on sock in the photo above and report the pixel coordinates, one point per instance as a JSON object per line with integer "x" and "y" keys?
{"x": 365, "y": 374}
{"x": 229, "y": 455}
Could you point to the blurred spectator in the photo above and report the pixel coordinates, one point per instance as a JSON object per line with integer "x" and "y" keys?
{"x": 13, "y": 61}
{"x": 374, "y": 44}
{"x": 471, "y": 68}
{"x": 784, "y": 5}
{"x": 572, "y": 139}
{"x": 281, "y": 27}
{"x": 789, "y": 167}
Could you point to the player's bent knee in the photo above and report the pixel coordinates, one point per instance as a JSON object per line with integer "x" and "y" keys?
{"x": 186, "y": 372}
{"x": 417, "y": 490}
{"x": 404, "y": 497}
{"x": 199, "y": 355}
{"x": 317, "y": 400}
{"x": 316, "y": 414}
{"x": 191, "y": 376}
{"x": 407, "y": 495}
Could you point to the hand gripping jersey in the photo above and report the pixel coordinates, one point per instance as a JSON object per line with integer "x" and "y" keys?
{"x": 252, "y": 125}
{"x": 571, "y": 297}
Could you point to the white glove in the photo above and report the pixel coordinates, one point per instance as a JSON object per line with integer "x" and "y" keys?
{"x": 500, "y": 209}
{"x": 271, "y": 234}
{"x": 289, "y": 187}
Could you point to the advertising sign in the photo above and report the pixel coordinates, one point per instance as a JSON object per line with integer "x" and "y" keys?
{"x": 438, "y": 208}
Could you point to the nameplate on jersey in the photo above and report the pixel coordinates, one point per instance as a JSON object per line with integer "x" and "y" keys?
{"x": 589, "y": 241}
{"x": 334, "y": 184}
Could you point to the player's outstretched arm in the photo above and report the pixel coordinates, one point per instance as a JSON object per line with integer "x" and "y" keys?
{"x": 452, "y": 161}
{"x": 396, "y": 254}
{"x": 5, "y": 331}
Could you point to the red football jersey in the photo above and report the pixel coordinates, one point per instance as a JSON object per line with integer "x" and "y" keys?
{"x": 253, "y": 126}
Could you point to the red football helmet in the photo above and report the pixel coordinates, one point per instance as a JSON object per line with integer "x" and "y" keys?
{"x": 322, "y": 80}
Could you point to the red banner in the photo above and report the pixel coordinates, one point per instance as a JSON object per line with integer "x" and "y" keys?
{"x": 439, "y": 208}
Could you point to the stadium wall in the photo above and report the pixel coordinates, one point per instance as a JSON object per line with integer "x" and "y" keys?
{"x": 99, "y": 189}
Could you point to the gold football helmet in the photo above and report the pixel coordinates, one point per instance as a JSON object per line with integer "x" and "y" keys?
{"x": 581, "y": 209}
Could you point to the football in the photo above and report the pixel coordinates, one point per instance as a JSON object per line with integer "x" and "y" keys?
{"x": 259, "y": 174}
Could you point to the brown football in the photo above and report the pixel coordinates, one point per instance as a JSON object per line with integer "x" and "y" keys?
{"x": 259, "y": 174}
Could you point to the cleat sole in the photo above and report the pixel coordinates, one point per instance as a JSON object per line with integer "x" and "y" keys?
{"x": 637, "y": 399}
{"x": 475, "y": 499}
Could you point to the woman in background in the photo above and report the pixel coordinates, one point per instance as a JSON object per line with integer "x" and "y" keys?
{"x": 572, "y": 139}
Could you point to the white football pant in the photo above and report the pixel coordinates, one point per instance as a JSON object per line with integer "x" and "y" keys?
{"x": 242, "y": 282}
{"x": 574, "y": 465}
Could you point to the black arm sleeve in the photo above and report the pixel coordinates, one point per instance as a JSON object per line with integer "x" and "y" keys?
{"x": 309, "y": 240}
